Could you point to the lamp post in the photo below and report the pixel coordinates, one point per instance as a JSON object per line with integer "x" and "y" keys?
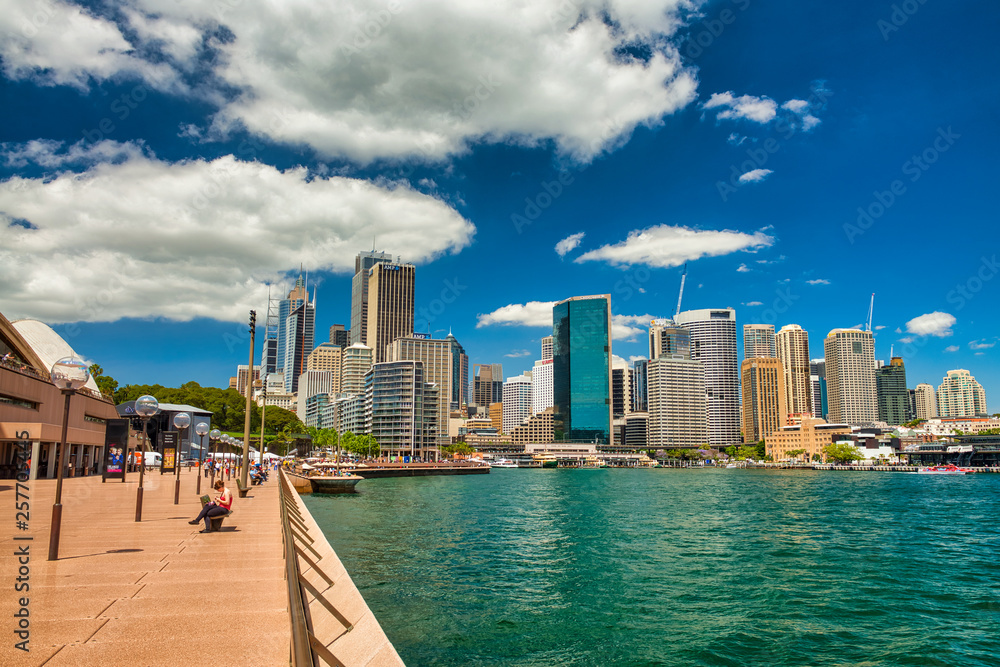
{"x": 263, "y": 407}
{"x": 214, "y": 435}
{"x": 69, "y": 374}
{"x": 146, "y": 407}
{"x": 201, "y": 428}
{"x": 181, "y": 421}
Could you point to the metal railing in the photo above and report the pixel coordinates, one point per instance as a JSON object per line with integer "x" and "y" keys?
{"x": 306, "y": 649}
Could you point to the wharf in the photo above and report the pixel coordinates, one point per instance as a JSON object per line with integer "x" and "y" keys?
{"x": 418, "y": 470}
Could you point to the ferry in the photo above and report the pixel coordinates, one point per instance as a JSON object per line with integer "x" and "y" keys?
{"x": 591, "y": 461}
{"x": 949, "y": 469}
{"x": 503, "y": 463}
{"x": 546, "y": 460}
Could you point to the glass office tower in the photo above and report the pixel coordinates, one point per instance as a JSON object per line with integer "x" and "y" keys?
{"x": 581, "y": 377}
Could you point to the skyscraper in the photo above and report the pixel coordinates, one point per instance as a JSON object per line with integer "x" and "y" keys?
{"x": 764, "y": 408}
{"x": 541, "y": 386}
{"x": 459, "y": 374}
{"x": 327, "y": 357}
{"x": 357, "y": 361}
{"x": 638, "y": 390}
{"x": 516, "y": 402}
{"x": 487, "y": 385}
{"x": 581, "y": 374}
{"x": 667, "y": 339}
{"x": 758, "y": 341}
{"x": 621, "y": 389}
{"x": 893, "y": 396}
{"x": 390, "y": 306}
{"x": 678, "y": 415}
{"x": 926, "y": 402}
{"x": 792, "y": 344}
{"x": 298, "y": 296}
{"x": 359, "y": 293}
{"x": 959, "y": 395}
{"x": 713, "y": 343}
{"x": 546, "y": 348}
{"x": 817, "y": 377}
{"x": 436, "y": 357}
{"x": 299, "y": 337}
{"x": 401, "y": 409}
{"x": 339, "y": 335}
{"x": 850, "y": 377}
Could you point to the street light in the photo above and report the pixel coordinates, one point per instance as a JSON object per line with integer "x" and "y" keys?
{"x": 214, "y": 435}
{"x": 201, "y": 428}
{"x": 181, "y": 421}
{"x": 69, "y": 374}
{"x": 146, "y": 406}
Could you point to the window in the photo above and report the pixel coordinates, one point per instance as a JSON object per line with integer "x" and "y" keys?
{"x": 10, "y": 400}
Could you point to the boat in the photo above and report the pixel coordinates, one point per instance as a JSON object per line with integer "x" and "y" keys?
{"x": 949, "y": 469}
{"x": 546, "y": 460}
{"x": 591, "y": 461}
{"x": 503, "y": 463}
{"x": 732, "y": 465}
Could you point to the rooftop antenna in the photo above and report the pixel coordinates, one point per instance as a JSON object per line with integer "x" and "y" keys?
{"x": 680, "y": 295}
{"x": 868, "y": 326}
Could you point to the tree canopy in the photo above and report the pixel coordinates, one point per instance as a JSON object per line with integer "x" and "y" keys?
{"x": 842, "y": 452}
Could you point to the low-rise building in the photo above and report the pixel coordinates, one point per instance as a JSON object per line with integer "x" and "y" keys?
{"x": 811, "y": 434}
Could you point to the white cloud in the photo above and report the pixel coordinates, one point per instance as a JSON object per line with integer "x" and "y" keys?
{"x": 517, "y": 353}
{"x": 898, "y": 330}
{"x": 531, "y": 314}
{"x": 754, "y": 303}
{"x": 618, "y": 362}
{"x": 742, "y": 268}
{"x": 52, "y": 154}
{"x": 982, "y": 344}
{"x": 796, "y": 106}
{"x": 906, "y": 340}
{"x": 818, "y": 281}
{"x": 736, "y": 139}
{"x": 755, "y": 175}
{"x": 144, "y": 238}
{"x": 757, "y": 109}
{"x": 932, "y": 324}
{"x": 628, "y": 328}
{"x": 635, "y": 357}
{"x": 370, "y": 79}
{"x": 569, "y": 243}
{"x": 664, "y": 246}
{"x": 879, "y": 327}
{"x": 952, "y": 348}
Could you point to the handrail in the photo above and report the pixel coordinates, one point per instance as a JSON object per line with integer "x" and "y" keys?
{"x": 301, "y": 647}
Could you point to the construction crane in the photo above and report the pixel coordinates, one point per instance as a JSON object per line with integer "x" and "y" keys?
{"x": 868, "y": 327}
{"x": 680, "y": 295}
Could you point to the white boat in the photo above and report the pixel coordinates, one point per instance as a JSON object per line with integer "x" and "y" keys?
{"x": 943, "y": 470}
{"x": 732, "y": 465}
{"x": 503, "y": 463}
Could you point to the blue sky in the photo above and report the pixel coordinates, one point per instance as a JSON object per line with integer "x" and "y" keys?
{"x": 162, "y": 163}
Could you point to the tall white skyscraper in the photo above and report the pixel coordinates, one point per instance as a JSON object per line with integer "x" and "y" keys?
{"x": 758, "y": 341}
{"x": 678, "y": 414}
{"x": 299, "y": 339}
{"x": 959, "y": 395}
{"x": 357, "y": 361}
{"x": 541, "y": 386}
{"x": 713, "y": 343}
{"x": 850, "y": 377}
{"x": 792, "y": 343}
{"x": 516, "y": 402}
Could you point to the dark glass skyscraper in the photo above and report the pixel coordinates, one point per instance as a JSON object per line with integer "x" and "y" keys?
{"x": 459, "y": 374}
{"x": 359, "y": 294}
{"x": 893, "y": 396}
{"x": 581, "y": 376}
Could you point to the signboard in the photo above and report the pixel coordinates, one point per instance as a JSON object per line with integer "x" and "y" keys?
{"x": 421, "y": 336}
{"x": 168, "y": 447}
{"x": 115, "y": 449}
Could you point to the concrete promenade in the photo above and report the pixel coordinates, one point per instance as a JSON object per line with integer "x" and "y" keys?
{"x": 149, "y": 593}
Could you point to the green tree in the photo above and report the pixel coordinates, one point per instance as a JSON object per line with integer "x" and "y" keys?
{"x": 745, "y": 452}
{"x": 761, "y": 450}
{"x": 796, "y": 453}
{"x": 842, "y": 452}
{"x": 107, "y": 384}
{"x": 457, "y": 448}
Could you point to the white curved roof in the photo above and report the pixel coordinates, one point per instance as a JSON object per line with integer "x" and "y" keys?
{"x": 47, "y": 344}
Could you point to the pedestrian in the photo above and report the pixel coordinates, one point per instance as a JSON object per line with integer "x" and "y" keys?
{"x": 222, "y": 505}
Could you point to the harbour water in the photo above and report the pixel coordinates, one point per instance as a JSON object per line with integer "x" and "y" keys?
{"x": 677, "y": 567}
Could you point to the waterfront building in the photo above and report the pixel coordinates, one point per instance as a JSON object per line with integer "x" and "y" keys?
{"x": 348, "y": 414}
{"x": 678, "y": 415}
{"x": 546, "y": 348}
{"x": 357, "y": 361}
{"x": 925, "y": 400}
{"x": 359, "y": 293}
{"x": 636, "y": 430}
{"x": 311, "y": 410}
{"x": 339, "y": 335}
{"x": 541, "y": 386}
{"x": 537, "y": 429}
{"x": 496, "y": 416}
{"x": 893, "y": 396}
{"x": 298, "y": 337}
{"x": 666, "y": 339}
{"x": 390, "y": 306}
{"x": 436, "y": 357}
{"x": 487, "y": 384}
{"x": 621, "y": 398}
{"x": 811, "y": 434}
{"x": 759, "y": 341}
{"x": 959, "y": 395}
{"x": 817, "y": 378}
{"x": 244, "y": 379}
{"x": 713, "y": 343}
{"x": 764, "y": 409}
{"x": 581, "y": 373}
{"x": 327, "y": 357}
{"x": 401, "y": 409}
{"x": 792, "y": 344}
{"x": 459, "y": 374}
{"x": 850, "y": 376}
{"x": 516, "y": 402}
{"x": 637, "y": 386}
{"x": 313, "y": 383}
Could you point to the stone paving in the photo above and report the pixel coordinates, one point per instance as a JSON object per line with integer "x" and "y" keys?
{"x": 151, "y": 593}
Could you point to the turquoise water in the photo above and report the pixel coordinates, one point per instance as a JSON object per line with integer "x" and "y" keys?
{"x": 677, "y": 567}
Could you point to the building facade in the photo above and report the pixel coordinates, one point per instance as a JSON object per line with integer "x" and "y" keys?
{"x": 850, "y": 377}
{"x": 546, "y": 348}
{"x": 541, "y": 386}
{"x": 678, "y": 415}
{"x": 327, "y": 357}
{"x": 792, "y": 344}
{"x": 516, "y": 402}
{"x": 713, "y": 343}
{"x": 764, "y": 408}
{"x": 359, "y": 293}
{"x": 299, "y": 339}
{"x": 621, "y": 389}
{"x": 893, "y": 396}
{"x": 811, "y": 434}
{"x": 959, "y": 395}
{"x": 759, "y": 341}
{"x": 666, "y": 339}
{"x": 581, "y": 369}
{"x": 340, "y": 336}
{"x": 401, "y": 409}
{"x": 537, "y": 429}
{"x": 390, "y": 306}
{"x": 459, "y": 374}
{"x": 357, "y": 361}
{"x": 487, "y": 385}
{"x": 436, "y": 357}
{"x": 925, "y": 400}
{"x": 637, "y": 389}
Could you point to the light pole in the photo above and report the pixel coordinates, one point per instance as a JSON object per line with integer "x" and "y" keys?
{"x": 201, "y": 428}
{"x": 69, "y": 374}
{"x": 214, "y": 435}
{"x": 181, "y": 421}
{"x": 246, "y": 416}
{"x": 263, "y": 407}
{"x": 145, "y": 406}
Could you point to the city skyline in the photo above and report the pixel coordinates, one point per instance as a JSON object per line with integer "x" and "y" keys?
{"x": 794, "y": 188}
